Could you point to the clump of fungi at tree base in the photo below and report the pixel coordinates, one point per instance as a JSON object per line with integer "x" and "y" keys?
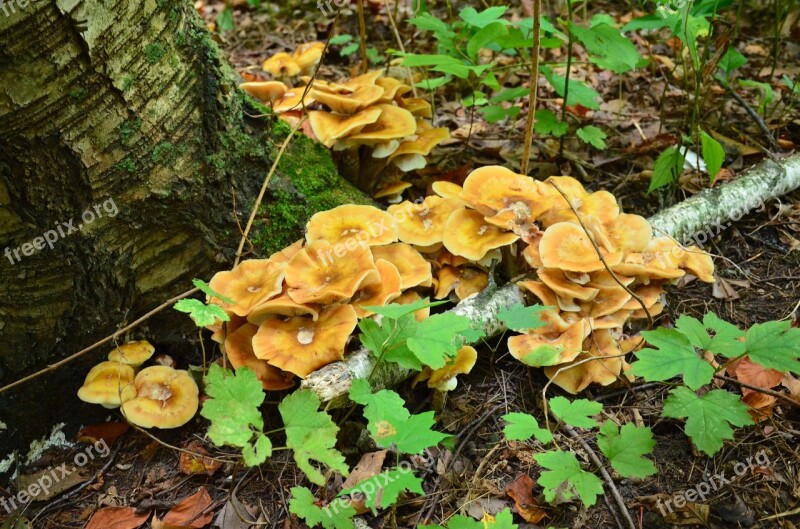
{"x": 368, "y": 121}
{"x": 296, "y": 311}
{"x": 157, "y": 396}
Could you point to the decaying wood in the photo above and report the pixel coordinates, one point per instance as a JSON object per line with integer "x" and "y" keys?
{"x": 700, "y": 214}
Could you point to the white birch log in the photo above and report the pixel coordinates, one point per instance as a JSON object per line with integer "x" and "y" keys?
{"x": 698, "y": 214}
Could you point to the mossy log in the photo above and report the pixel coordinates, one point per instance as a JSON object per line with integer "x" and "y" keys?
{"x": 122, "y": 120}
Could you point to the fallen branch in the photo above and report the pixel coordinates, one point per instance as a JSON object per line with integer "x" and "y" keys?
{"x": 711, "y": 207}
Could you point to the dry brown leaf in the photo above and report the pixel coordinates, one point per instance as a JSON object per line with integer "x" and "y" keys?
{"x": 58, "y": 481}
{"x": 754, "y": 374}
{"x": 197, "y": 464}
{"x": 793, "y": 385}
{"x": 234, "y": 515}
{"x": 107, "y": 431}
{"x": 117, "y": 518}
{"x": 370, "y": 464}
{"x": 520, "y": 490}
{"x": 190, "y": 511}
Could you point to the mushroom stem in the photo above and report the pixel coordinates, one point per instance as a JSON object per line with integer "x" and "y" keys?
{"x": 697, "y": 215}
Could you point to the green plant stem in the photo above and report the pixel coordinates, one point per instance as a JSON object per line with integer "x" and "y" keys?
{"x": 534, "y": 81}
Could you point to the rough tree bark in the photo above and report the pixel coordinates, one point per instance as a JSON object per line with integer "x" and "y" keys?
{"x": 129, "y": 107}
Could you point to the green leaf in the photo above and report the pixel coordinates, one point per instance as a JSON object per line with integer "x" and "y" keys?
{"x": 337, "y": 515}
{"x": 203, "y": 286}
{"x": 726, "y": 335}
{"x": 203, "y": 315}
{"x": 774, "y": 345}
{"x": 607, "y": 47}
{"x": 579, "y": 92}
{"x": 340, "y": 39}
{"x": 437, "y": 338}
{"x": 495, "y": 113}
{"x": 433, "y": 83}
{"x": 522, "y": 426}
{"x": 510, "y": 94}
{"x": 675, "y": 356}
{"x": 593, "y": 136}
{"x": 577, "y": 413}
{"x": 520, "y": 318}
{"x": 382, "y": 490}
{"x": 484, "y": 18}
{"x": 625, "y": 447}
{"x": 565, "y": 478}
{"x": 391, "y": 423}
{"x": 648, "y": 22}
{"x": 258, "y": 452}
{"x": 428, "y": 22}
{"x": 713, "y": 154}
{"x": 668, "y": 168}
{"x": 547, "y": 123}
{"x": 349, "y": 49}
{"x": 395, "y": 311}
{"x": 311, "y": 434}
{"x": 765, "y": 90}
{"x": 225, "y": 20}
{"x": 708, "y": 418}
{"x": 233, "y": 405}
{"x": 485, "y": 36}
{"x": 731, "y": 61}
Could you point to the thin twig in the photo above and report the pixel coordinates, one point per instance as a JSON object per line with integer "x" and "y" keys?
{"x": 758, "y": 389}
{"x": 261, "y": 193}
{"x": 400, "y": 45}
{"x": 95, "y": 345}
{"x": 362, "y": 30}
{"x": 566, "y": 78}
{"x": 526, "y": 153}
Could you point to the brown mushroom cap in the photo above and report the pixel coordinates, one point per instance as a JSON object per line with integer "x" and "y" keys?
{"x": 413, "y": 268}
{"x": 239, "y": 348}
{"x": 361, "y": 225}
{"x": 423, "y": 224}
{"x": 266, "y": 91}
{"x": 378, "y": 292}
{"x": 444, "y": 378}
{"x": 249, "y": 284}
{"x": 348, "y": 103}
{"x": 394, "y": 123}
{"x": 301, "y": 345}
{"x": 467, "y": 234}
{"x": 132, "y": 353}
{"x": 108, "y": 384}
{"x": 326, "y": 273}
{"x": 329, "y": 127}
{"x": 566, "y": 246}
{"x": 308, "y": 55}
{"x": 165, "y": 398}
{"x": 281, "y": 65}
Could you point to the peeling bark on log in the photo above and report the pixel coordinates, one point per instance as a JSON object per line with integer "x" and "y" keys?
{"x": 760, "y": 183}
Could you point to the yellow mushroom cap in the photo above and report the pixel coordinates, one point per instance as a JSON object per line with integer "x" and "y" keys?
{"x": 699, "y": 263}
{"x": 348, "y": 103}
{"x": 447, "y": 189}
{"x": 420, "y": 146}
{"x": 353, "y": 225}
{"x": 328, "y": 127}
{"x": 392, "y": 88}
{"x": 281, "y": 65}
{"x": 394, "y": 123}
{"x": 249, "y": 284}
{"x": 409, "y": 297}
{"x": 558, "y": 283}
{"x": 607, "y": 301}
{"x": 301, "y": 345}
{"x": 378, "y": 292}
{"x": 282, "y": 305}
{"x": 604, "y": 370}
{"x": 495, "y": 190}
{"x": 418, "y": 107}
{"x": 630, "y": 233}
{"x": 165, "y": 398}
{"x": 266, "y": 91}
{"x": 286, "y": 254}
{"x": 467, "y": 234}
{"x": 132, "y": 353}
{"x": 600, "y": 204}
{"x": 465, "y": 281}
{"x": 239, "y": 349}
{"x": 326, "y": 273}
{"x": 391, "y": 189}
{"x": 540, "y": 350}
{"x": 308, "y": 55}
{"x": 566, "y": 246}
{"x": 423, "y": 224}
{"x": 413, "y": 268}
{"x": 294, "y": 99}
{"x": 444, "y": 378}
{"x": 366, "y": 79}
{"x": 108, "y": 384}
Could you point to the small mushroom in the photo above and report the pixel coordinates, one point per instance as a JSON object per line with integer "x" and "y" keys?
{"x": 558, "y": 283}
{"x": 541, "y": 350}
{"x": 165, "y": 398}
{"x": 295, "y": 99}
{"x": 604, "y": 369}
{"x": 301, "y": 345}
{"x": 566, "y": 246}
{"x": 413, "y": 268}
{"x": 308, "y": 55}
{"x": 329, "y": 128}
{"x": 353, "y": 225}
{"x": 607, "y": 301}
{"x": 630, "y": 233}
{"x": 349, "y": 103}
{"x": 239, "y": 349}
{"x": 249, "y": 284}
{"x": 447, "y": 189}
{"x": 417, "y": 106}
{"x": 466, "y": 233}
{"x": 377, "y": 292}
{"x": 444, "y": 378}
{"x": 423, "y": 224}
{"x": 699, "y": 264}
{"x": 281, "y": 65}
{"x": 282, "y": 305}
{"x": 108, "y": 384}
{"x": 391, "y": 192}
{"x": 394, "y": 123}
{"x": 464, "y": 281}
{"x": 392, "y": 88}
{"x": 265, "y": 91}
{"x": 410, "y": 155}
{"x": 132, "y": 353}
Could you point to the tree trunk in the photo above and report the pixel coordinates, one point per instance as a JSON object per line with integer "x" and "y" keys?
{"x": 127, "y": 158}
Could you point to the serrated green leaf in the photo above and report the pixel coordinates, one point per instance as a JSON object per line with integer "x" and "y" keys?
{"x": 774, "y": 345}
{"x": 382, "y": 490}
{"x": 485, "y": 36}
{"x": 522, "y": 426}
{"x": 311, "y": 434}
{"x": 726, "y": 335}
{"x": 233, "y": 405}
{"x": 203, "y": 315}
{"x": 337, "y": 515}
{"x": 667, "y": 169}
{"x": 436, "y": 338}
{"x": 708, "y": 418}
{"x": 713, "y": 154}
{"x": 258, "y": 452}
{"x": 395, "y": 311}
{"x": 675, "y": 356}
{"x": 625, "y": 447}
{"x": 565, "y": 478}
{"x": 579, "y": 92}
{"x": 577, "y": 413}
{"x": 593, "y": 136}
{"x": 203, "y": 286}
{"x": 520, "y": 318}
{"x": 547, "y": 123}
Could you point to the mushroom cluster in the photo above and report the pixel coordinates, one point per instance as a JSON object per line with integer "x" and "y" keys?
{"x": 593, "y": 267}
{"x": 368, "y": 119}
{"x": 156, "y": 397}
